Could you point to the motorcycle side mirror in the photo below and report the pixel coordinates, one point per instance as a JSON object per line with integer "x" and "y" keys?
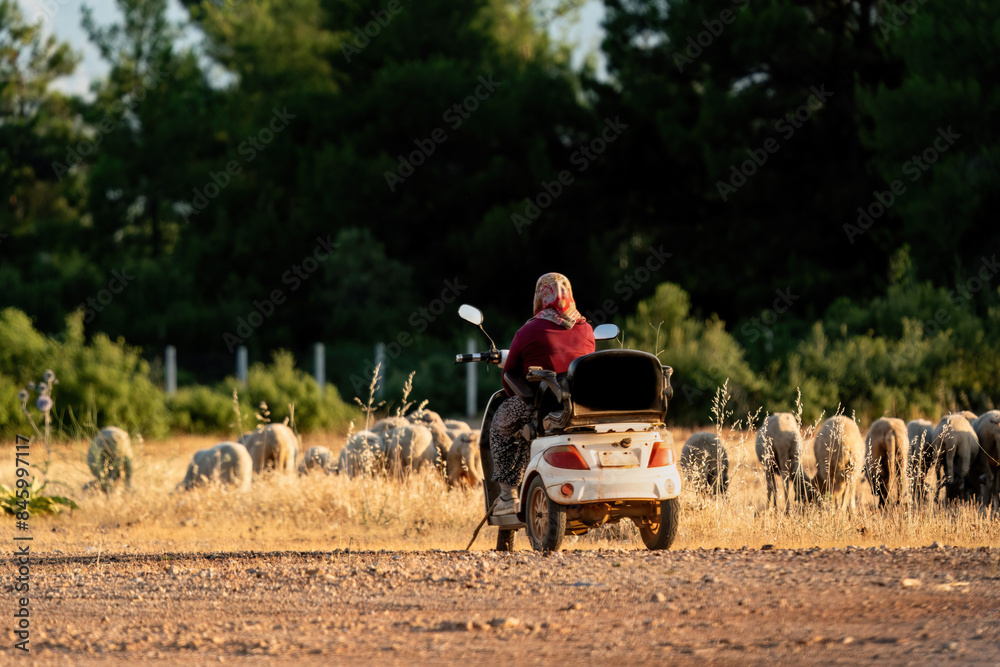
{"x": 606, "y": 332}
{"x": 470, "y": 314}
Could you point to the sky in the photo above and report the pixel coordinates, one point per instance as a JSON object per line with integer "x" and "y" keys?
{"x": 62, "y": 18}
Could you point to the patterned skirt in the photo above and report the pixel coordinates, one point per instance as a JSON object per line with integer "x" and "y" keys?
{"x": 507, "y": 447}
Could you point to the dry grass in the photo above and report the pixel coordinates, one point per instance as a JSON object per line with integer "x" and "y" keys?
{"x": 328, "y": 512}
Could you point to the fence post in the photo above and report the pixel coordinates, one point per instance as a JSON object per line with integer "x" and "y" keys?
{"x": 319, "y": 366}
{"x": 170, "y": 370}
{"x": 380, "y": 362}
{"x": 241, "y": 363}
{"x": 470, "y": 382}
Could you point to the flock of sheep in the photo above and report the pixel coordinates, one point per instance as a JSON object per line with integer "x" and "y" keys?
{"x": 895, "y": 458}
{"x": 394, "y": 445}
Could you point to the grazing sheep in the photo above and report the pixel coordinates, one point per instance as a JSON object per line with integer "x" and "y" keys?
{"x": 956, "y": 445}
{"x": 456, "y": 425}
{"x": 275, "y": 446}
{"x": 386, "y": 425}
{"x": 987, "y": 428}
{"x": 920, "y": 433}
{"x": 442, "y": 441}
{"x": 705, "y": 463}
{"x": 226, "y": 462}
{"x": 840, "y": 458}
{"x": 362, "y": 455}
{"x": 886, "y": 449}
{"x": 317, "y": 458}
{"x": 970, "y": 415}
{"x": 406, "y": 448}
{"x": 109, "y": 457}
{"x": 425, "y": 417}
{"x": 465, "y": 465}
{"x": 779, "y": 450}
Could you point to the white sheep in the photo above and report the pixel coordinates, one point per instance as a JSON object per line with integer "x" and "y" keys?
{"x": 109, "y": 457}
{"x": 987, "y": 428}
{"x": 920, "y": 434}
{"x": 362, "y": 455}
{"x": 840, "y": 458}
{"x": 317, "y": 458}
{"x": 957, "y": 446}
{"x": 425, "y": 417}
{"x": 705, "y": 463}
{"x": 441, "y": 441}
{"x": 406, "y": 449}
{"x": 387, "y": 425}
{"x": 465, "y": 464}
{"x": 779, "y": 450}
{"x": 226, "y": 462}
{"x": 886, "y": 449}
{"x": 275, "y": 447}
{"x": 456, "y": 427}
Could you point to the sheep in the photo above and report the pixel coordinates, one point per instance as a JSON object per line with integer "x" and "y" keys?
{"x": 956, "y": 445}
{"x": 465, "y": 464}
{"x": 920, "y": 433}
{"x": 317, "y": 458}
{"x": 274, "y": 446}
{"x": 705, "y": 463}
{"x": 779, "y": 450}
{"x": 840, "y": 457}
{"x": 456, "y": 427}
{"x": 987, "y": 428}
{"x": 226, "y": 462}
{"x": 109, "y": 457}
{"x": 386, "y": 425}
{"x": 406, "y": 448}
{"x": 362, "y": 455}
{"x": 442, "y": 441}
{"x": 425, "y": 417}
{"x": 970, "y": 415}
{"x": 886, "y": 449}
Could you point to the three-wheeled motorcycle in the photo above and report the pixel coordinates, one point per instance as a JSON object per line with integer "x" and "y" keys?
{"x": 598, "y": 448}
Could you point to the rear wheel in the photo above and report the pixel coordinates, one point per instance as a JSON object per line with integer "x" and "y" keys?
{"x": 659, "y": 533}
{"x": 545, "y": 520}
{"x": 505, "y": 539}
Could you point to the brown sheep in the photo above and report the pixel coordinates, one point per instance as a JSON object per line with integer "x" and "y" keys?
{"x": 987, "y": 428}
{"x": 779, "y": 450}
{"x": 705, "y": 463}
{"x": 275, "y": 447}
{"x": 956, "y": 446}
{"x": 886, "y": 449}
{"x": 465, "y": 465}
{"x": 840, "y": 459}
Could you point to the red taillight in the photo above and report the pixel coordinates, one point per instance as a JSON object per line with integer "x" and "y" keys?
{"x": 565, "y": 456}
{"x": 660, "y": 456}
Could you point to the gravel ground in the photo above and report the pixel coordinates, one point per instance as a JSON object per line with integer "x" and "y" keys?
{"x": 922, "y": 605}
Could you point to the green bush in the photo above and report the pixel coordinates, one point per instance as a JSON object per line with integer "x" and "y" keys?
{"x": 106, "y": 382}
{"x": 702, "y": 353}
{"x": 200, "y": 409}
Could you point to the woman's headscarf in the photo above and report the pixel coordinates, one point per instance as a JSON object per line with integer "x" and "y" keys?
{"x": 554, "y": 301}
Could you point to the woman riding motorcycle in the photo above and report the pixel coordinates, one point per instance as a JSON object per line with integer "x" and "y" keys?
{"x": 556, "y": 335}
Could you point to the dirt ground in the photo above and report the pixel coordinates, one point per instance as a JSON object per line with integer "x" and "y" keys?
{"x": 920, "y": 605}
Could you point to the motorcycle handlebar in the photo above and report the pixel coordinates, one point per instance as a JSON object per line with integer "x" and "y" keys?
{"x": 491, "y": 357}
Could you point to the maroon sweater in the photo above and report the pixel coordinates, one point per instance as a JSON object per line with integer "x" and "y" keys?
{"x": 546, "y": 344}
